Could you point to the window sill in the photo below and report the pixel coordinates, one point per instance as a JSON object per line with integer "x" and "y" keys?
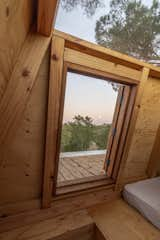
{"x": 83, "y": 185}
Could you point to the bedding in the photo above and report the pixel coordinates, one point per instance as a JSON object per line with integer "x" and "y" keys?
{"x": 145, "y": 197}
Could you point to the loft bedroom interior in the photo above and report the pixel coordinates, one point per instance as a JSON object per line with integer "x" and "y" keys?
{"x": 79, "y": 120}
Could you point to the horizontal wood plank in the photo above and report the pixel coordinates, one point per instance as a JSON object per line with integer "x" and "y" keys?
{"x": 106, "y": 53}
{"x": 85, "y": 60}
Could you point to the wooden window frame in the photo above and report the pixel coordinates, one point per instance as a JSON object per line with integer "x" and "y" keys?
{"x": 71, "y": 54}
{"x": 89, "y": 182}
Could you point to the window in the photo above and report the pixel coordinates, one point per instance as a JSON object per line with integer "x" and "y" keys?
{"x": 77, "y": 70}
{"x": 87, "y": 119}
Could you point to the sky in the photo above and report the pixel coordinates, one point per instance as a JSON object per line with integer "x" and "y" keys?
{"x": 85, "y": 95}
{"x": 77, "y": 24}
{"x": 89, "y": 96}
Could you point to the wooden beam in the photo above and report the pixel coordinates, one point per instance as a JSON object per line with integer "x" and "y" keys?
{"x": 125, "y": 74}
{"x": 20, "y": 85}
{"x": 55, "y": 88}
{"x": 144, "y": 78}
{"x": 47, "y": 10}
{"x": 106, "y": 53}
{"x": 118, "y": 129}
{"x": 60, "y": 206}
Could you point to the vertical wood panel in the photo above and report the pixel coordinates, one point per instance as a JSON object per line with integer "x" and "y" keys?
{"x": 118, "y": 128}
{"x": 20, "y": 85}
{"x": 154, "y": 162}
{"x": 55, "y": 85}
{"x": 144, "y": 78}
{"x": 126, "y": 123}
{"x": 114, "y": 122}
{"x": 47, "y": 10}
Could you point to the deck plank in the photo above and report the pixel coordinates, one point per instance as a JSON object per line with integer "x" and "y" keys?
{"x": 73, "y": 168}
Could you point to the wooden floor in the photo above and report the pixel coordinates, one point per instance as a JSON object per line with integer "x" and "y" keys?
{"x": 73, "y": 168}
{"x": 114, "y": 219}
{"x": 119, "y": 221}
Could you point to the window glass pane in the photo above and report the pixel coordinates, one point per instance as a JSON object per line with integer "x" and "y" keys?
{"x": 130, "y": 27}
{"x": 88, "y": 112}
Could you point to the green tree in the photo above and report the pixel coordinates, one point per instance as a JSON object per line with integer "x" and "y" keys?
{"x": 79, "y": 136}
{"x": 101, "y": 133}
{"x": 89, "y": 6}
{"x": 131, "y": 28}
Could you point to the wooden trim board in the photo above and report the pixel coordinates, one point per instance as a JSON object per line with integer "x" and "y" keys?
{"x": 101, "y": 65}
{"x": 55, "y": 85}
{"x": 46, "y": 15}
{"x": 59, "y": 206}
{"x": 144, "y": 78}
{"x": 106, "y": 53}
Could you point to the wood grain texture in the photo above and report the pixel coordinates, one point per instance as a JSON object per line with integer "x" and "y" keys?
{"x": 117, "y": 129}
{"x": 55, "y": 88}
{"x": 22, "y": 159}
{"x": 153, "y": 168}
{"x": 20, "y": 85}
{"x": 46, "y": 16}
{"x": 60, "y": 206}
{"x": 136, "y": 154}
{"x": 51, "y": 228}
{"x": 114, "y": 121}
{"x": 118, "y": 220}
{"x": 106, "y": 53}
{"x": 125, "y": 128}
{"x": 145, "y": 132}
{"x": 15, "y": 20}
{"x": 92, "y": 62}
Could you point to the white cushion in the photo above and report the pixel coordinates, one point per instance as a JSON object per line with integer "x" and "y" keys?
{"x": 145, "y": 197}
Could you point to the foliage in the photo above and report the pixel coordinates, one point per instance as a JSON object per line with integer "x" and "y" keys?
{"x": 131, "y": 28}
{"x": 89, "y": 6}
{"x": 81, "y": 133}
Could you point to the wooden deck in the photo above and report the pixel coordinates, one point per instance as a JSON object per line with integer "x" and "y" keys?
{"x": 79, "y": 167}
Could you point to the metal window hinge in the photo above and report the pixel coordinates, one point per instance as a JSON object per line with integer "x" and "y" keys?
{"x": 108, "y": 162}
{"x": 114, "y": 132}
{"x": 121, "y": 100}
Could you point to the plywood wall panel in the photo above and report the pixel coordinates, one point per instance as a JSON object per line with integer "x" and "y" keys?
{"x": 145, "y": 132}
{"x": 16, "y": 17}
{"x": 22, "y": 159}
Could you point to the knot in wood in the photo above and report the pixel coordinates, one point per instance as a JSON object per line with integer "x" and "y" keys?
{"x": 52, "y": 177}
{"x": 54, "y": 57}
{"x": 7, "y": 11}
{"x": 25, "y": 73}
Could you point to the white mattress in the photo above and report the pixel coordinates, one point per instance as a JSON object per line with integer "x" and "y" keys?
{"x": 145, "y": 197}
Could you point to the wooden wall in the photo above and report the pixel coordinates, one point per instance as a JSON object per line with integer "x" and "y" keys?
{"x": 21, "y": 161}
{"x": 145, "y": 132}
{"x": 15, "y": 20}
